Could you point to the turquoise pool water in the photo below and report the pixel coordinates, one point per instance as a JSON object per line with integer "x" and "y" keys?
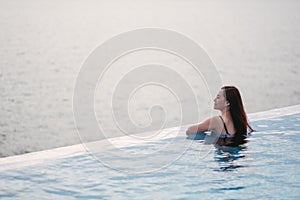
{"x": 268, "y": 167}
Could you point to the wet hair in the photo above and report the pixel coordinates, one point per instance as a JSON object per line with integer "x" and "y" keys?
{"x": 238, "y": 114}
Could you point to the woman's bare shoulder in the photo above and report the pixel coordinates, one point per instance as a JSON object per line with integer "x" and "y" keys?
{"x": 215, "y": 123}
{"x": 214, "y": 119}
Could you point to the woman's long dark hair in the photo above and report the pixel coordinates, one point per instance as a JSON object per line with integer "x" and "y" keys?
{"x": 238, "y": 114}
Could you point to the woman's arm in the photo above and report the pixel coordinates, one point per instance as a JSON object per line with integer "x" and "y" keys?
{"x": 209, "y": 124}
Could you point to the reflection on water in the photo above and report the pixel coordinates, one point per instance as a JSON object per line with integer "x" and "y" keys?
{"x": 229, "y": 158}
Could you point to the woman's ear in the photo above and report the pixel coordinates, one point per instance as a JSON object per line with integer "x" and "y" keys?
{"x": 227, "y": 103}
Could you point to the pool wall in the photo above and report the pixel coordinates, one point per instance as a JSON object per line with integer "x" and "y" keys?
{"x": 40, "y": 157}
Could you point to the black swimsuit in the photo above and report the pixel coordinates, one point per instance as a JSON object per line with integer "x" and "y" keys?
{"x": 227, "y": 134}
{"x": 225, "y": 139}
{"x": 229, "y": 140}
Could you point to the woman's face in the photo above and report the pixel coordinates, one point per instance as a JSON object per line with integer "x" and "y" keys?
{"x": 220, "y": 101}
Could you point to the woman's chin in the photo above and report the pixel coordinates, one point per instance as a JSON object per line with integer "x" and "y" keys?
{"x": 216, "y": 108}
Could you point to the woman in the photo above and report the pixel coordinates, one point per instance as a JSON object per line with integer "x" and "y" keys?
{"x": 232, "y": 124}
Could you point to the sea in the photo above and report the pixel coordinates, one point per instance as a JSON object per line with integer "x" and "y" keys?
{"x": 46, "y": 45}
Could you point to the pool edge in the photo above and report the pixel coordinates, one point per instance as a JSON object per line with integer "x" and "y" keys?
{"x": 40, "y": 157}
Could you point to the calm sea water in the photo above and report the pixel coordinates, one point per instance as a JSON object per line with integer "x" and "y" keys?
{"x": 267, "y": 168}
{"x": 255, "y": 46}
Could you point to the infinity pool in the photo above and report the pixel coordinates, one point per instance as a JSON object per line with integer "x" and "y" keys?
{"x": 268, "y": 167}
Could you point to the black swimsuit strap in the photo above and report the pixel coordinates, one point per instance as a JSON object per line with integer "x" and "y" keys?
{"x": 224, "y": 124}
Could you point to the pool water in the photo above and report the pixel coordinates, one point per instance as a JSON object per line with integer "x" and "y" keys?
{"x": 267, "y": 167}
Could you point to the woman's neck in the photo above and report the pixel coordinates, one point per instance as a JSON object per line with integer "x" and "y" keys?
{"x": 226, "y": 114}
